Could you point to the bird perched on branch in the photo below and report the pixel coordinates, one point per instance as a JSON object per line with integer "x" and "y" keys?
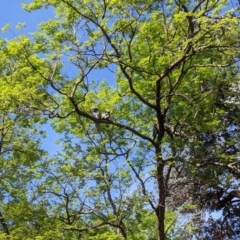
{"x": 106, "y": 115}
{"x": 156, "y": 130}
{"x": 95, "y": 113}
{"x": 169, "y": 130}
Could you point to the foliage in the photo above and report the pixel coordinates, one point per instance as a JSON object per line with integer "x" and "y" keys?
{"x": 171, "y": 66}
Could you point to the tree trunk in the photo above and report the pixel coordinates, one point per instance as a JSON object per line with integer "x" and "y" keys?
{"x": 160, "y": 210}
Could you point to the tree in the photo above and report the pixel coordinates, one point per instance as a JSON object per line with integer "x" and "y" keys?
{"x": 176, "y": 64}
{"x": 20, "y": 153}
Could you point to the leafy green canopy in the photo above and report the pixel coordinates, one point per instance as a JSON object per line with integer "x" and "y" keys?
{"x": 176, "y": 63}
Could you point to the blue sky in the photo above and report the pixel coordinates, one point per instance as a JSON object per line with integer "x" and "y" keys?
{"x": 12, "y": 12}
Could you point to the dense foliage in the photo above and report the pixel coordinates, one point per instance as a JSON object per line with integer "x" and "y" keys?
{"x": 165, "y": 164}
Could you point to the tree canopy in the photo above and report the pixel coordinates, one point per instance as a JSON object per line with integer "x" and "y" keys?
{"x": 165, "y": 164}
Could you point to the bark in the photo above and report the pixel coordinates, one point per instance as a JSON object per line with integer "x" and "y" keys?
{"x": 160, "y": 209}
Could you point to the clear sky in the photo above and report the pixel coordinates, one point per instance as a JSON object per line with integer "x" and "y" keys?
{"x": 12, "y": 12}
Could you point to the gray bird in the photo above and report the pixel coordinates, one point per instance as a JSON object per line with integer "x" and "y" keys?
{"x": 106, "y": 115}
{"x": 95, "y": 113}
{"x": 167, "y": 128}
